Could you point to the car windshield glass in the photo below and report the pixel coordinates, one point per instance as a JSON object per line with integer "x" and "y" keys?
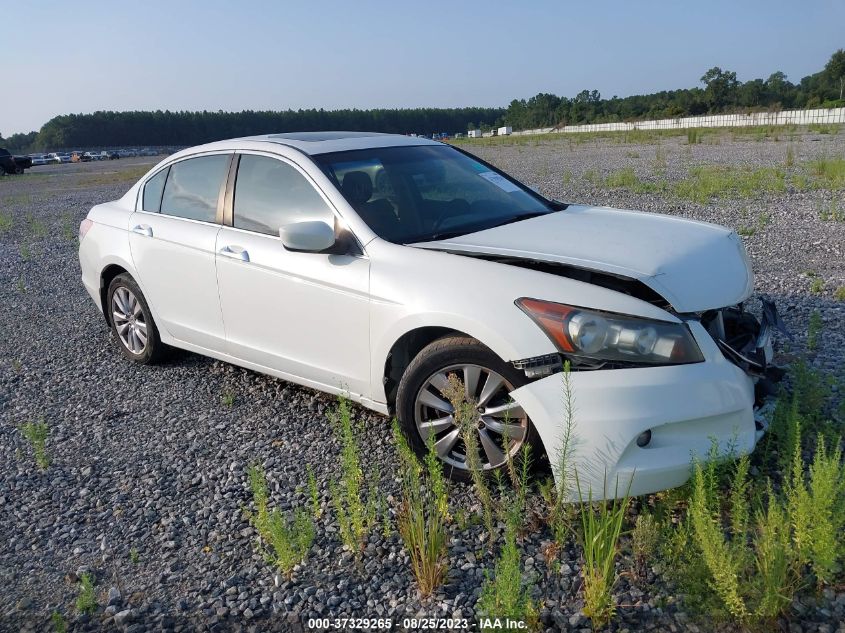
{"x": 422, "y": 193}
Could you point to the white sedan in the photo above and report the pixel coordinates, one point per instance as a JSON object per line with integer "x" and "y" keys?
{"x": 376, "y": 265}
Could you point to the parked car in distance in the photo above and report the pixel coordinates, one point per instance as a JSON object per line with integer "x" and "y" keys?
{"x": 59, "y": 157}
{"x": 10, "y": 164}
{"x": 392, "y": 265}
{"x": 80, "y": 157}
{"x": 94, "y": 155}
{"x": 113, "y": 155}
{"x": 40, "y": 159}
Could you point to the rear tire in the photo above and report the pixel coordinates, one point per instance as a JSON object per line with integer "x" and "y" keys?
{"x": 132, "y": 321}
{"x": 422, "y": 410}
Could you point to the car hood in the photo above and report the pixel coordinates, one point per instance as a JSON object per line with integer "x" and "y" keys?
{"x": 694, "y": 265}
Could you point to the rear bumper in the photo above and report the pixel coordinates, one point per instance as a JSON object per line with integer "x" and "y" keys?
{"x": 685, "y": 407}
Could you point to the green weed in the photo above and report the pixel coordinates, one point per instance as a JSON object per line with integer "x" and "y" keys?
{"x": 58, "y": 622}
{"x": 829, "y": 173}
{"x": 839, "y": 293}
{"x": 288, "y": 539}
{"x": 832, "y": 213}
{"x": 817, "y": 285}
{"x": 313, "y": 493}
{"x": 716, "y": 181}
{"x": 5, "y": 222}
{"x": 353, "y": 500}
{"x": 504, "y": 594}
{"x": 86, "y": 601}
{"x": 423, "y": 513}
{"x": 227, "y": 398}
{"x": 465, "y": 415}
{"x": 601, "y": 528}
{"x": 134, "y": 556}
{"x": 36, "y": 434}
{"x": 644, "y": 540}
{"x": 562, "y": 464}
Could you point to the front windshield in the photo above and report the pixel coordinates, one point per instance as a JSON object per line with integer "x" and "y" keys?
{"x": 425, "y": 192}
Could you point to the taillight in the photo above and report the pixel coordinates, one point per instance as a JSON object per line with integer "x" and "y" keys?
{"x": 84, "y": 227}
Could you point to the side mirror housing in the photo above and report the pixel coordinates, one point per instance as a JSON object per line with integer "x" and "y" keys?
{"x": 312, "y": 236}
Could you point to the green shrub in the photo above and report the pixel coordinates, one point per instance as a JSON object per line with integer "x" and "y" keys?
{"x": 423, "y": 513}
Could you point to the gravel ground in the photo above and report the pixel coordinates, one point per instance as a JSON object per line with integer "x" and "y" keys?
{"x": 147, "y": 483}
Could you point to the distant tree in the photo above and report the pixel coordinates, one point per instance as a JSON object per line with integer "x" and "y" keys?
{"x": 721, "y": 87}
{"x": 835, "y": 70}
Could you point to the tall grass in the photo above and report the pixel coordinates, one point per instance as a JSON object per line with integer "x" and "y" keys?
{"x": 828, "y": 172}
{"x": 601, "y": 527}
{"x": 423, "y": 513}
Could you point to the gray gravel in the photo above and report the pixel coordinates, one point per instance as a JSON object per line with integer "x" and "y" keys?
{"x": 147, "y": 484}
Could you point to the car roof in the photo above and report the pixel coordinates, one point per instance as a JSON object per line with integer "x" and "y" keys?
{"x": 313, "y": 143}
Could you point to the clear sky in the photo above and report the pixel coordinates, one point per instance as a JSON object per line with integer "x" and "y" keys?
{"x": 80, "y": 55}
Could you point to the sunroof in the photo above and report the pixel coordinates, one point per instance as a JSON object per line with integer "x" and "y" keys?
{"x": 322, "y": 136}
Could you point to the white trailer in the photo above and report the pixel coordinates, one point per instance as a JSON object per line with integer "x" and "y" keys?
{"x": 474, "y": 134}
{"x": 505, "y": 131}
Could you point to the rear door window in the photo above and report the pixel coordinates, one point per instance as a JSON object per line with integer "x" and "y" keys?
{"x": 193, "y": 187}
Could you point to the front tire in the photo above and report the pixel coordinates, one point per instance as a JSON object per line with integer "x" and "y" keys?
{"x": 423, "y": 410}
{"x": 132, "y": 321}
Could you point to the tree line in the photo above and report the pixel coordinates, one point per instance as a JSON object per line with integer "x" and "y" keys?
{"x": 166, "y": 128}
{"x": 721, "y": 92}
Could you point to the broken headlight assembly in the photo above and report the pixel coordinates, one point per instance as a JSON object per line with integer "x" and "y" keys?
{"x": 603, "y": 337}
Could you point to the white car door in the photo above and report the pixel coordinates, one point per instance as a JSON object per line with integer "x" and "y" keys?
{"x": 304, "y": 315}
{"x": 173, "y": 238}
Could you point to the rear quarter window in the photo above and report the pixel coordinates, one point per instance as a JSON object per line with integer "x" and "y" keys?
{"x": 151, "y": 200}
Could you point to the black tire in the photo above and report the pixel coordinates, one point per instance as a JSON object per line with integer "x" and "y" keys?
{"x": 18, "y": 170}
{"x": 439, "y": 355}
{"x": 154, "y": 350}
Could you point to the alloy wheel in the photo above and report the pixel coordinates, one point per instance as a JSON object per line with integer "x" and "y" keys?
{"x": 500, "y": 423}
{"x": 129, "y": 320}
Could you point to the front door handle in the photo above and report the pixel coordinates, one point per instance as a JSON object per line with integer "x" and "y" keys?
{"x": 143, "y": 229}
{"x": 235, "y": 252}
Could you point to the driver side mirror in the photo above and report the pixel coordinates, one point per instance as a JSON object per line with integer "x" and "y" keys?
{"x": 312, "y": 236}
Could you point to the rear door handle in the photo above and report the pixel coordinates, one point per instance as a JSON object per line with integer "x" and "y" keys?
{"x": 143, "y": 229}
{"x": 235, "y": 252}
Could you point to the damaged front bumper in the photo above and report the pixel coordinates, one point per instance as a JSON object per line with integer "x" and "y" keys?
{"x": 636, "y": 430}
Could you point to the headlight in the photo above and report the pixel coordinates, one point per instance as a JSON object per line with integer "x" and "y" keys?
{"x": 612, "y": 337}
